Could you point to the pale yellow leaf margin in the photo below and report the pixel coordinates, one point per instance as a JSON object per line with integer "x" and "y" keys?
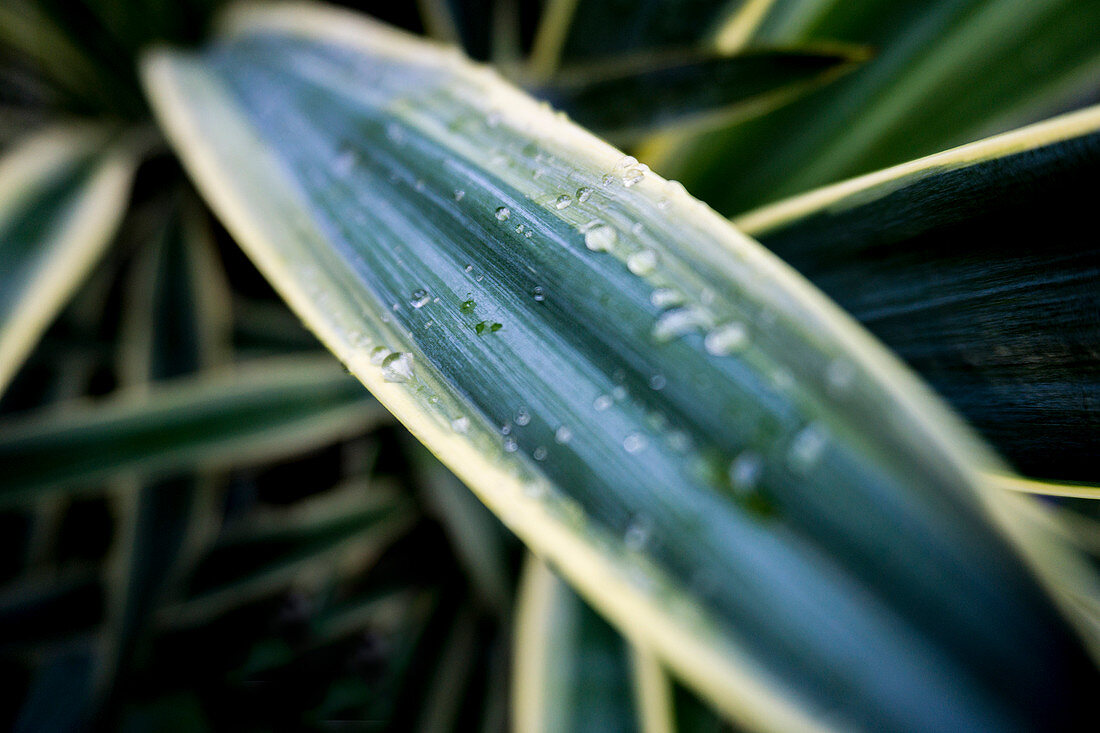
{"x": 73, "y": 245}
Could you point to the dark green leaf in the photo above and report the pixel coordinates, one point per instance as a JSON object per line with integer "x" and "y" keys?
{"x": 264, "y": 409}
{"x": 945, "y": 73}
{"x": 627, "y": 98}
{"x": 980, "y": 268}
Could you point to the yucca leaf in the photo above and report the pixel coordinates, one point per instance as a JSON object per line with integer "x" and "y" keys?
{"x": 263, "y": 409}
{"x": 573, "y": 31}
{"x": 572, "y": 670}
{"x": 62, "y": 194}
{"x": 708, "y": 449}
{"x": 624, "y": 99}
{"x": 476, "y": 535}
{"x": 916, "y": 97}
{"x": 975, "y": 265}
{"x": 350, "y": 530}
{"x": 175, "y": 323}
{"x": 60, "y": 692}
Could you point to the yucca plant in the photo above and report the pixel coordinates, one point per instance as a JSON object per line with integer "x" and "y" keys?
{"x": 748, "y": 502}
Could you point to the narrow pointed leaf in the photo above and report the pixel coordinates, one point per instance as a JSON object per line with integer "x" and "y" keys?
{"x": 978, "y": 267}
{"x": 62, "y": 194}
{"x": 624, "y": 99}
{"x": 916, "y": 97}
{"x": 265, "y": 409}
{"x": 572, "y": 670}
{"x": 715, "y": 456}
{"x": 599, "y": 29}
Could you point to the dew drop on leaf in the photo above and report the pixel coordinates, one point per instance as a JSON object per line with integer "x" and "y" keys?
{"x": 806, "y": 448}
{"x": 503, "y": 213}
{"x": 420, "y": 298}
{"x": 563, "y": 201}
{"x": 397, "y": 367}
{"x": 643, "y": 262}
{"x": 378, "y": 354}
{"x": 726, "y": 339}
{"x": 599, "y": 237}
{"x": 745, "y": 471}
{"x": 583, "y": 194}
{"x": 677, "y": 322}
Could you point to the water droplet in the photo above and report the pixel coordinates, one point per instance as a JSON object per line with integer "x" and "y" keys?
{"x": 485, "y": 327}
{"x": 657, "y": 382}
{"x": 839, "y": 376}
{"x": 563, "y": 435}
{"x": 745, "y": 471}
{"x": 619, "y": 393}
{"x": 420, "y": 298}
{"x": 468, "y": 268}
{"x": 459, "y": 194}
{"x": 397, "y": 367}
{"x": 602, "y": 402}
{"x": 663, "y": 204}
{"x": 523, "y": 417}
{"x": 506, "y": 429}
{"x": 599, "y": 237}
{"x": 460, "y": 424}
{"x": 806, "y": 448}
{"x": 395, "y": 133}
{"x": 666, "y": 297}
{"x": 679, "y": 441}
{"x": 637, "y": 535}
{"x": 677, "y": 322}
{"x": 503, "y": 213}
{"x": 540, "y": 453}
{"x": 634, "y": 443}
{"x": 627, "y": 161}
{"x": 510, "y": 444}
{"x": 637, "y": 228}
{"x": 632, "y": 176}
{"x": 642, "y": 263}
{"x": 419, "y": 185}
{"x": 726, "y": 339}
{"x": 583, "y": 194}
{"x": 538, "y": 294}
{"x": 378, "y": 354}
{"x": 344, "y": 162}
{"x": 467, "y": 306}
{"x": 563, "y": 201}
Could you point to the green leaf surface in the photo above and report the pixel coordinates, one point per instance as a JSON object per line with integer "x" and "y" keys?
{"x": 60, "y": 692}
{"x": 625, "y": 99}
{"x": 945, "y": 73}
{"x": 978, "y": 267}
{"x": 590, "y": 30}
{"x": 261, "y": 410}
{"x": 345, "y": 530}
{"x": 707, "y": 448}
{"x": 62, "y": 195}
{"x": 572, "y": 670}
{"x": 478, "y": 539}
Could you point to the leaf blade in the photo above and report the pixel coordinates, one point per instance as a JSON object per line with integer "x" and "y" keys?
{"x": 397, "y": 162}
{"x": 60, "y": 176}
